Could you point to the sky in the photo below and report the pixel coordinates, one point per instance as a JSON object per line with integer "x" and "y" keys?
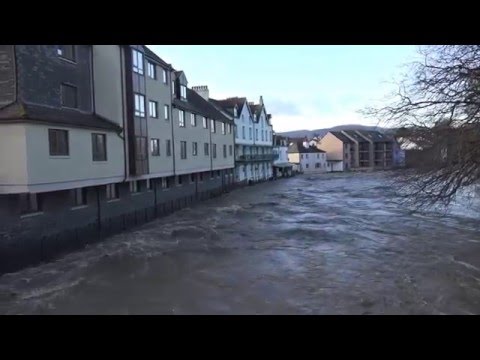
{"x": 303, "y": 87}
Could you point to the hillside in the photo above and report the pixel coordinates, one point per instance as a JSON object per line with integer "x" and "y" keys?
{"x": 321, "y": 132}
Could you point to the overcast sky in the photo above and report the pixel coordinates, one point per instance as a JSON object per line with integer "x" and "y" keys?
{"x": 303, "y": 87}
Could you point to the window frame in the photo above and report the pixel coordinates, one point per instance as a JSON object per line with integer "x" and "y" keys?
{"x": 155, "y": 145}
{"x": 151, "y": 70}
{"x": 63, "y": 86}
{"x": 181, "y": 118}
{"x": 94, "y": 143}
{"x": 155, "y": 108}
{"x": 183, "y": 150}
{"x": 138, "y": 111}
{"x": 138, "y": 67}
{"x": 54, "y": 139}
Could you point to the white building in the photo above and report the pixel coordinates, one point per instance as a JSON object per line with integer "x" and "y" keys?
{"x": 281, "y": 166}
{"x": 253, "y": 138}
{"x": 309, "y": 158}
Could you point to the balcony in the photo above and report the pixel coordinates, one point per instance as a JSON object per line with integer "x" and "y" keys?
{"x": 257, "y": 157}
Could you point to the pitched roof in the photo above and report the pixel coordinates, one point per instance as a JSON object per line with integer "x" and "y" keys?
{"x": 228, "y": 105}
{"x": 354, "y": 135}
{"x": 155, "y": 57}
{"x": 256, "y": 110}
{"x": 20, "y": 111}
{"x": 341, "y": 137}
{"x": 375, "y": 136}
{"x": 297, "y": 147}
{"x": 197, "y": 104}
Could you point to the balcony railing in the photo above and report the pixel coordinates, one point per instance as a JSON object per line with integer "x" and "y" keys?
{"x": 257, "y": 157}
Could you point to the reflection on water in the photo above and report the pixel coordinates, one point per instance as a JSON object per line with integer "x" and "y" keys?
{"x": 331, "y": 244}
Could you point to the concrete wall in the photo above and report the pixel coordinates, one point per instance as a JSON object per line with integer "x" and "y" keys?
{"x": 109, "y": 82}
{"x": 13, "y": 158}
{"x": 160, "y": 128}
{"x": 190, "y": 134}
{"x": 48, "y": 173}
{"x": 333, "y": 146}
{"x": 221, "y": 162}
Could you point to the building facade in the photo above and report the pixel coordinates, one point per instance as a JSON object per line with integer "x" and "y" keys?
{"x": 253, "y": 138}
{"x": 281, "y": 166}
{"x": 90, "y": 134}
{"x": 309, "y": 158}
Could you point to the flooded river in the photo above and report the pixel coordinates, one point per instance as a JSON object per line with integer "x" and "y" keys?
{"x": 327, "y": 244}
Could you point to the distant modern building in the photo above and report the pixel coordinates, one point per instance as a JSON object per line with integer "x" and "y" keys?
{"x": 359, "y": 149}
{"x": 281, "y": 166}
{"x": 310, "y": 159}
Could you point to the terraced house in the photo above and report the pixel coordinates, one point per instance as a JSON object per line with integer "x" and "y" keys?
{"x": 94, "y": 135}
{"x": 253, "y": 138}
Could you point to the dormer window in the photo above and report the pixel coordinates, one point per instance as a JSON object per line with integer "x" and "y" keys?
{"x": 67, "y": 52}
{"x": 183, "y": 92}
{"x": 235, "y": 111}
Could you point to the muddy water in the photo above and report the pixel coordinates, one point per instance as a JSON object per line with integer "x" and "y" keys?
{"x": 331, "y": 244}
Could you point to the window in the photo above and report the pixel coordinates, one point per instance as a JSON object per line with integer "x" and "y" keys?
{"x": 224, "y": 151}
{"x": 58, "y": 142}
{"x": 112, "y": 191}
{"x": 183, "y": 149}
{"x": 301, "y": 156}
{"x": 99, "y": 147}
{"x": 155, "y": 147}
{"x": 29, "y": 203}
{"x": 148, "y": 184}
{"x": 134, "y": 187}
{"x": 223, "y": 128}
{"x": 262, "y": 136}
{"x": 166, "y": 112}
{"x": 212, "y": 126}
{"x": 205, "y": 123}
{"x": 218, "y": 173}
{"x": 67, "y": 52}
{"x": 250, "y": 133}
{"x": 141, "y": 148}
{"x": 229, "y": 128}
{"x": 306, "y": 165}
{"x": 164, "y": 183}
{"x": 235, "y": 111}
{"x": 212, "y": 174}
{"x": 243, "y": 118}
{"x": 137, "y": 61}
{"x": 69, "y": 96}
{"x": 256, "y": 134}
{"x": 151, "y": 70}
{"x": 153, "y": 109}
{"x": 306, "y": 156}
{"x": 243, "y": 132}
{"x": 80, "y": 197}
{"x": 193, "y": 119}
{"x": 173, "y": 87}
{"x": 194, "y": 149}
{"x": 179, "y": 180}
{"x": 214, "y": 151}
{"x": 230, "y": 150}
{"x": 183, "y": 91}
{"x": 206, "y": 149}
{"x": 139, "y": 105}
{"x": 317, "y": 165}
{"x": 169, "y": 148}
{"x": 200, "y": 175}
{"x": 192, "y": 178}
{"x": 165, "y": 79}
{"x": 181, "y": 118}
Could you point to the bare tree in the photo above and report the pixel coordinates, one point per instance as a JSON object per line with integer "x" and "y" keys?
{"x": 437, "y": 107}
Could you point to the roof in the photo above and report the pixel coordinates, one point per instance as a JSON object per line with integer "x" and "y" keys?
{"x": 229, "y": 104}
{"x": 341, "y": 137}
{"x": 155, "y": 57}
{"x": 256, "y": 110}
{"x": 297, "y": 147}
{"x": 354, "y": 135}
{"x": 20, "y": 111}
{"x": 375, "y": 136}
{"x": 197, "y": 104}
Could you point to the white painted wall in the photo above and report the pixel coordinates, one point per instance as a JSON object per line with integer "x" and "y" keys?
{"x": 335, "y": 166}
{"x": 47, "y": 173}
{"x": 13, "y": 158}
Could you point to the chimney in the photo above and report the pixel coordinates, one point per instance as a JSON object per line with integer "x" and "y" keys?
{"x": 261, "y": 100}
{"x": 202, "y": 91}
